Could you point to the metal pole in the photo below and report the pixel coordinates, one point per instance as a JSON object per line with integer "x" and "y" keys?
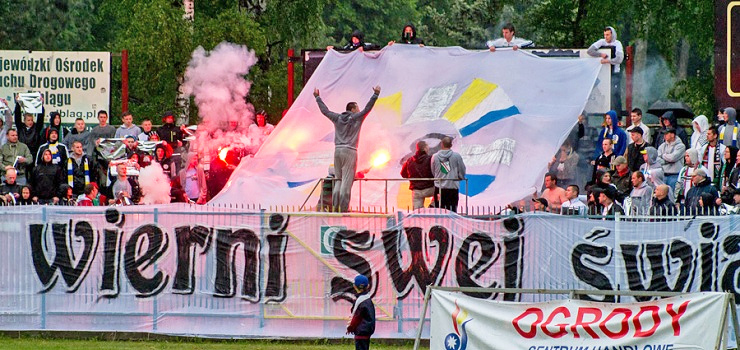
{"x": 386, "y": 196}
{"x": 628, "y": 72}
{"x": 735, "y": 325}
{"x": 155, "y": 307}
{"x": 422, "y": 318}
{"x": 124, "y": 81}
{"x": 290, "y": 77}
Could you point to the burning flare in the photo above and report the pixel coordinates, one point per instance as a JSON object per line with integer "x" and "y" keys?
{"x": 380, "y": 158}
{"x": 223, "y": 152}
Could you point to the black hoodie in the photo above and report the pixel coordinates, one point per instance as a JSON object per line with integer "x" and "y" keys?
{"x": 418, "y": 166}
{"x": 47, "y": 179}
{"x": 31, "y": 137}
{"x": 680, "y": 132}
{"x": 63, "y": 132}
{"x": 361, "y": 43}
{"x": 413, "y": 39}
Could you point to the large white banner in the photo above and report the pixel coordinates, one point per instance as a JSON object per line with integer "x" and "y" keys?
{"x": 693, "y": 321}
{"x": 75, "y": 84}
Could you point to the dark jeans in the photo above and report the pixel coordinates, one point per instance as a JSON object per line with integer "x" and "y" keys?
{"x": 448, "y": 198}
{"x": 616, "y": 93}
{"x": 362, "y": 344}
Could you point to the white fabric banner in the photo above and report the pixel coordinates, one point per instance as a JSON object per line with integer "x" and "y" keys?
{"x": 507, "y": 111}
{"x": 692, "y": 321}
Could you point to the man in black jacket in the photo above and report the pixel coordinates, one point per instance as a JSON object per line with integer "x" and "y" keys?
{"x": 419, "y": 166}
{"x": 362, "y": 324}
{"x": 29, "y": 132}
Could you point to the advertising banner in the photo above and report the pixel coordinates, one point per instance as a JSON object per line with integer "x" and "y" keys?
{"x": 692, "y": 321}
{"x": 75, "y": 84}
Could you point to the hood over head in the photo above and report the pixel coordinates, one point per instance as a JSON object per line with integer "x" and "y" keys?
{"x": 358, "y": 34}
{"x": 413, "y": 32}
{"x": 693, "y": 155}
{"x": 652, "y": 154}
{"x": 703, "y": 123}
{"x": 731, "y": 115}
{"x": 614, "y": 34}
{"x": 615, "y": 119}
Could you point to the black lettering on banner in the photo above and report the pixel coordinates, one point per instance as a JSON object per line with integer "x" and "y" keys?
{"x": 227, "y": 244}
{"x": 513, "y": 257}
{"x": 109, "y": 285}
{"x": 135, "y": 261}
{"x": 438, "y": 236}
{"x": 478, "y": 248}
{"x": 187, "y": 239}
{"x": 709, "y": 257}
{"x": 341, "y": 288}
{"x": 73, "y": 269}
{"x": 730, "y": 274}
{"x": 276, "y": 288}
{"x": 660, "y": 257}
{"x": 587, "y": 260}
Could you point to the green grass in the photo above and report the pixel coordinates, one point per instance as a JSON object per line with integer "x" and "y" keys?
{"x": 34, "y": 343}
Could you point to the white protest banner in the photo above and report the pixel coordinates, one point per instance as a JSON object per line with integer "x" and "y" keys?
{"x": 691, "y": 321}
{"x": 75, "y": 84}
{"x": 31, "y": 102}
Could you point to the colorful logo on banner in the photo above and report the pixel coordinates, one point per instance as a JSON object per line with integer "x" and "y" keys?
{"x": 327, "y": 238}
{"x": 459, "y": 339}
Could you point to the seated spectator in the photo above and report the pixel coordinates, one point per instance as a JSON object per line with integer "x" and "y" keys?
{"x": 508, "y": 40}
{"x": 555, "y": 195}
{"x": 128, "y": 127}
{"x": 670, "y": 156}
{"x": 641, "y": 195}
{"x": 80, "y": 133}
{"x": 565, "y": 164}
{"x": 701, "y": 184}
{"x": 573, "y": 205}
{"x": 26, "y": 196}
{"x": 90, "y": 197}
{"x": 78, "y": 169}
{"x": 408, "y": 36}
{"x": 540, "y": 204}
{"x": 662, "y": 205}
{"x": 66, "y": 197}
{"x": 47, "y": 179}
{"x": 10, "y": 190}
{"x": 55, "y": 122}
{"x": 609, "y": 207}
{"x": 684, "y": 183}
{"x": 15, "y": 155}
{"x": 58, "y": 150}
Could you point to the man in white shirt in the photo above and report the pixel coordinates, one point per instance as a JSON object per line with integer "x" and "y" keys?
{"x": 573, "y": 205}
{"x": 508, "y": 40}
{"x": 615, "y": 59}
{"x": 636, "y": 118}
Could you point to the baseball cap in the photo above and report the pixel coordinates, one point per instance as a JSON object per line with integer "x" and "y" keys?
{"x": 541, "y": 201}
{"x": 670, "y": 130}
{"x": 619, "y": 160}
{"x": 132, "y": 137}
{"x": 361, "y": 281}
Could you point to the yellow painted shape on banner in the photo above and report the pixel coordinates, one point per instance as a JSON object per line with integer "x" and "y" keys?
{"x": 476, "y": 92}
{"x": 403, "y": 199}
{"x": 391, "y": 103}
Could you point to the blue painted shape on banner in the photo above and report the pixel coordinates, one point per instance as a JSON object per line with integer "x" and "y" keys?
{"x": 478, "y": 184}
{"x": 293, "y": 184}
{"x": 328, "y": 138}
{"x": 488, "y": 118}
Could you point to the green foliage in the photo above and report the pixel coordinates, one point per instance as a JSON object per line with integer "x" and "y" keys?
{"x": 694, "y": 91}
{"x": 41, "y": 25}
{"x": 380, "y": 21}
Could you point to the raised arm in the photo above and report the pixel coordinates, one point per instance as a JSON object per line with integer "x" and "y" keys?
{"x": 369, "y": 106}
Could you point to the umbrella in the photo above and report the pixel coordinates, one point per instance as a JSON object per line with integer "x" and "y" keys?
{"x": 679, "y": 109}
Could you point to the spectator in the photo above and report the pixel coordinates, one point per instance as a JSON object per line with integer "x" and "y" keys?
{"x": 128, "y": 127}
{"x": 540, "y": 204}
{"x": 10, "y": 189}
{"x": 6, "y": 121}
{"x": 90, "y": 196}
{"x": 170, "y": 133}
{"x": 146, "y": 130}
{"x": 408, "y": 36}
{"x": 565, "y": 164}
{"x": 29, "y": 132}
{"x": 730, "y": 157}
{"x": 78, "y": 169}
{"x": 668, "y": 121}
{"x": 67, "y": 198}
{"x": 55, "y": 122}
{"x": 652, "y": 170}
{"x": 662, "y": 204}
{"x": 555, "y": 195}
{"x": 80, "y": 133}
{"x": 700, "y": 184}
{"x": 670, "y": 156}
{"x": 728, "y": 130}
{"x": 101, "y": 131}
{"x": 573, "y": 205}
{"x": 419, "y": 166}
{"x": 133, "y": 151}
{"x": 732, "y": 208}
{"x": 634, "y": 150}
{"x": 636, "y": 118}
{"x": 58, "y": 150}
{"x": 47, "y": 178}
{"x": 621, "y": 177}
{"x": 606, "y": 159}
{"x": 449, "y": 165}
{"x": 641, "y": 195}
{"x": 168, "y": 166}
{"x": 711, "y": 155}
{"x": 26, "y": 196}
{"x": 708, "y": 205}
{"x": 609, "y": 207}
{"x": 15, "y": 155}
{"x": 699, "y": 137}
{"x": 508, "y": 40}
{"x": 684, "y": 183}
{"x": 615, "y": 59}
{"x": 125, "y": 189}
{"x": 264, "y": 127}
{"x": 357, "y": 42}
{"x": 612, "y": 131}
{"x": 193, "y": 180}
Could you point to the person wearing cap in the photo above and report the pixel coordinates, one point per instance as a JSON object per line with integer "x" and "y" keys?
{"x": 662, "y": 204}
{"x": 670, "y": 156}
{"x": 652, "y": 170}
{"x": 58, "y": 150}
{"x": 169, "y": 132}
{"x": 701, "y": 184}
{"x": 667, "y": 121}
{"x": 641, "y": 195}
{"x": 621, "y": 176}
{"x": 609, "y": 205}
{"x": 634, "y": 149}
{"x": 540, "y": 204}
{"x": 612, "y": 131}
{"x": 362, "y": 323}
{"x": 636, "y": 119}
{"x": 711, "y": 155}
{"x": 554, "y": 194}
{"x": 684, "y": 182}
{"x": 128, "y": 127}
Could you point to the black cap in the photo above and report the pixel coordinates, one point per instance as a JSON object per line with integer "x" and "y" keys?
{"x": 670, "y": 130}
{"x": 637, "y": 129}
{"x": 541, "y": 201}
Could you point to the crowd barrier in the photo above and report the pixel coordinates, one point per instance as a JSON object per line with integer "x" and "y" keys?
{"x": 226, "y": 272}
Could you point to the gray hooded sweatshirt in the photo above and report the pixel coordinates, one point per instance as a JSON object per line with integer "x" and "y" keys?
{"x": 727, "y": 134}
{"x": 593, "y": 50}
{"x": 448, "y": 165}
{"x": 347, "y": 125}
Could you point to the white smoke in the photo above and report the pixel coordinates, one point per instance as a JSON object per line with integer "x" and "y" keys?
{"x": 155, "y": 185}
{"x": 218, "y": 81}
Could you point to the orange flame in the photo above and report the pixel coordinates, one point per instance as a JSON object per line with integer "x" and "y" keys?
{"x": 223, "y": 152}
{"x": 380, "y": 158}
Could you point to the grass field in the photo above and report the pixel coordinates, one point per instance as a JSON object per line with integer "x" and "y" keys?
{"x": 34, "y": 343}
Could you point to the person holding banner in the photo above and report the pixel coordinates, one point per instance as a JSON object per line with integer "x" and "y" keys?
{"x": 362, "y": 324}
{"x": 29, "y": 132}
{"x": 6, "y": 121}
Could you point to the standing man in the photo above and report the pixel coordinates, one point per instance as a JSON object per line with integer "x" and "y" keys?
{"x": 347, "y": 127}
{"x": 128, "y": 127}
{"x": 419, "y": 166}
{"x": 615, "y": 59}
{"x": 15, "y": 155}
{"x": 636, "y": 118}
{"x": 80, "y": 133}
{"x": 711, "y": 155}
{"x": 508, "y": 40}
{"x": 58, "y": 150}
{"x": 634, "y": 150}
{"x": 78, "y": 167}
{"x": 146, "y": 130}
{"x": 554, "y": 194}
{"x": 573, "y": 205}
{"x": 449, "y": 165}
{"x": 670, "y": 156}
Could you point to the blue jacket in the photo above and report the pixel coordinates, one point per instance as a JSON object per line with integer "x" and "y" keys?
{"x": 618, "y": 136}
{"x": 363, "y": 317}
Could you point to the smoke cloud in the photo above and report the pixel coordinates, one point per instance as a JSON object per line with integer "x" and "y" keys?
{"x": 218, "y": 81}
{"x": 155, "y": 185}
